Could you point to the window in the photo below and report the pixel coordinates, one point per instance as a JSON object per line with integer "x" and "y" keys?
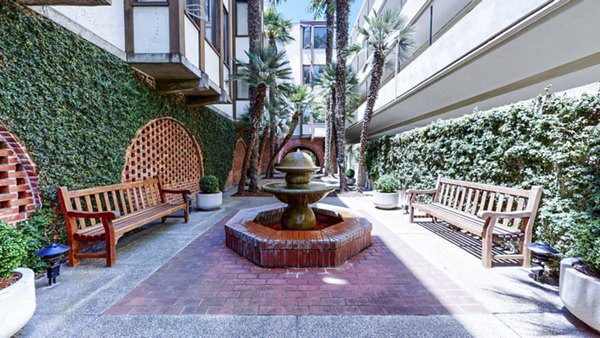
{"x": 241, "y": 22}
{"x": 212, "y": 24}
{"x": 320, "y": 37}
{"x": 317, "y": 71}
{"x": 306, "y": 37}
{"x": 192, "y": 9}
{"x": 306, "y": 74}
{"x": 225, "y": 36}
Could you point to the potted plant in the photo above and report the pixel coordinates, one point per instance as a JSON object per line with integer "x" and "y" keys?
{"x": 386, "y": 195}
{"x": 350, "y": 175}
{"x": 17, "y": 289}
{"x": 579, "y": 285}
{"x": 210, "y": 197}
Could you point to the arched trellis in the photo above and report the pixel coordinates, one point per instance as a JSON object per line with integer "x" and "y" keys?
{"x": 164, "y": 148}
{"x": 18, "y": 180}
{"x": 236, "y": 165}
{"x": 303, "y": 144}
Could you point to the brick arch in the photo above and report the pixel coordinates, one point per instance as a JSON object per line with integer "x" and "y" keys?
{"x": 316, "y": 146}
{"x": 236, "y": 165}
{"x": 19, "y": 193}
{"x": 164, "y": 148}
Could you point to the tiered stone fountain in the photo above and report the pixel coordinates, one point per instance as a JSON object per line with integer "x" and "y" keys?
{"x": 297, "y": 235}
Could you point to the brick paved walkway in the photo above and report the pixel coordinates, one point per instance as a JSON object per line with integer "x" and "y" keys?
{"x": 208, "y": 278}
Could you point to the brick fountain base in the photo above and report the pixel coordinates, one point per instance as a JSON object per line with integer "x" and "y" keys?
{"x": 255, "y": 234}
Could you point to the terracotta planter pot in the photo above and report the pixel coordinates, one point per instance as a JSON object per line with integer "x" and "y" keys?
{"x": 209, "y": 201}
{"x": 386, "y": 200}
{"x": 17, "y": 303}
{"x": 580, "y": 293}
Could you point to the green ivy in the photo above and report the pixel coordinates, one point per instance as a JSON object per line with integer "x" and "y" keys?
{"x": 13, "y": 250}
{"x": 550, "y": 141}
{"x": 77, "y": 107}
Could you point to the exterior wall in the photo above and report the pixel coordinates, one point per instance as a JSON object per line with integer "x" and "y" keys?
{"x": 316, "y": 146}
{"x": 101, "y": 25}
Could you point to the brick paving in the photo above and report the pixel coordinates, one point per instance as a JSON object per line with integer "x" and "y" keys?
{"x": 208, "y": 278}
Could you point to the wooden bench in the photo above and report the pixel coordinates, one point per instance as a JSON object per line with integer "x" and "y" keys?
{"x": 493, "y": 213}
{"x": 107, "y": 213}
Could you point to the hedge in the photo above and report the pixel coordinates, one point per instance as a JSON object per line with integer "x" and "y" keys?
{"x": 77, "y": 107}
{"x": 549, "y": 141}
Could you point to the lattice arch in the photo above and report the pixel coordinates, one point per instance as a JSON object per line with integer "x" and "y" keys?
{"x": 164, "y": 148}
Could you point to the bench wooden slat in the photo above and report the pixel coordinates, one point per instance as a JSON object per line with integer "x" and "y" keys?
{"x": 488, "y": 187}
{"x": 475, "y": 202}
{"x": 89, "y": 191}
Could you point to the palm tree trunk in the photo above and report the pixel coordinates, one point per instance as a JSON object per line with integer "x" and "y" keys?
{"x": 340, "y": 90}
{"x": 272, "y": 131}
{"x": 256, "y": 118}
{"x": 288, "y": 136}
{"x": 329, "y": 18}
{"x": 255, "y": 37}
{"x": 376, "y": 73}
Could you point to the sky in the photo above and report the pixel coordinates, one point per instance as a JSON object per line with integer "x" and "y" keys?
{"x": 297, "y": 10}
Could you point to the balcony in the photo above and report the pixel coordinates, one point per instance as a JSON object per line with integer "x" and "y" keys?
{"x": 166, "y": 42}
{"x": 65, "y": 2}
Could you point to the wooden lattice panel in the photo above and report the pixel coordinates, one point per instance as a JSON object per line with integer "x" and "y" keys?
{"x": 236, "y": 165}
{"x": 164, "y": 148}
{"x": 16, "y": 191}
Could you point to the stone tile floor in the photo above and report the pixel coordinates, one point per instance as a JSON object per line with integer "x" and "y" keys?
{"x": 208, "y": 278}
{"x": 166, "y": 268}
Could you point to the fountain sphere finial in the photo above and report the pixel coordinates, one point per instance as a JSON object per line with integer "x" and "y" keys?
{"x": 297, "y": 161}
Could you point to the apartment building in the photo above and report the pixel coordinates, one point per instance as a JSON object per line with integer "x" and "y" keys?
{"x": 185, "y": 47}
{"x": 481, "y": 54}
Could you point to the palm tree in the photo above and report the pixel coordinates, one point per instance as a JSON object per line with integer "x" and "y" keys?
{"x": 299, "y": 98}
{"x": 342, "y": 9}
{"x": 326, "y": 8}
{"x": 262, "y": 70}
{"x": 276, "y": 29}
{"x": 385, "y": 33}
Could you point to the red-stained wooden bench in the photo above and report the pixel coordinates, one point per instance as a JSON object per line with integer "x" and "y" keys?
{"x": 491, "y": 212}
{"x": 107, "y": 213}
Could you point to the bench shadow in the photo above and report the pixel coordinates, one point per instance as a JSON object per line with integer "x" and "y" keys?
{"x": 468, "y": 242}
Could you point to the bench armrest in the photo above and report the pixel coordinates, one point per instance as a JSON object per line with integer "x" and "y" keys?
{"x": 417, "y": 191}
{"x": 109, "y": 215}
{"x": 509, "y": 214}
{"x": 171, "y": 191}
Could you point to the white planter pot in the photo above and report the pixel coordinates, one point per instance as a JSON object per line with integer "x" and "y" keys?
{"x": 386, "y": 200}
{"x": 17, "y": 304}
{"x": 580, "y": 293}
{"x": 209, "y": 201}
{"x": 351, "y": 181}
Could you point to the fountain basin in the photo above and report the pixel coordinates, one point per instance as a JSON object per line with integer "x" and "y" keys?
{"x": 339, "y": 236}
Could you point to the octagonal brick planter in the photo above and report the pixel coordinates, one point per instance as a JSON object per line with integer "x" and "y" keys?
{"x": 17, "y": 303}
{"x": 580, "y": 293}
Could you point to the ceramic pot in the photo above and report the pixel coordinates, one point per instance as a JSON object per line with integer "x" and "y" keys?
{"x": 209, "y": 201}
{"x": 580, "y": 293}
{"x": 386, "y": 200}
{"x": 17, "y": 303}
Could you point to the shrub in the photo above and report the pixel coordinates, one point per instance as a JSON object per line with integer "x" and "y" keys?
{"x": 587, "y": 243}
{"x": 387, "y": 183}
{"x": 37, "y": 232}
{"x": 209, "y": 184}
{"x": 13, "y": 249}
{"x": 350, "y": 173}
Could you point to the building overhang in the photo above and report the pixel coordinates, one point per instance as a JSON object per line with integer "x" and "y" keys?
{"x": 558, "y": 46}
{"x": 65, "y": 2}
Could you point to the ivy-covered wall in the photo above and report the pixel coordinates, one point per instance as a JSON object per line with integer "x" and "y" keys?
{"x": 77, "y": 107}
{"x": 551, "y": 141}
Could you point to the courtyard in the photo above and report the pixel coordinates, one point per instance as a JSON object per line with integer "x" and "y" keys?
{"x": 179, "y": 279}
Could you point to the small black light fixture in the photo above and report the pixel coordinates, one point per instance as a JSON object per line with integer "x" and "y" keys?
{"x": 541, "y": 253}
{"x": 52, "y": 254}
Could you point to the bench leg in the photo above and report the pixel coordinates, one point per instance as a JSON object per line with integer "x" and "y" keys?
{"x": 73, "y": 259}
{"x": 411, "y": 215}
{"x": 486, "y": 252}
{"x": 186, "y": 214}
{"x": 525, "y": 252}
{"x": 164, "y": 220}
{"x": 111, "y": 250}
